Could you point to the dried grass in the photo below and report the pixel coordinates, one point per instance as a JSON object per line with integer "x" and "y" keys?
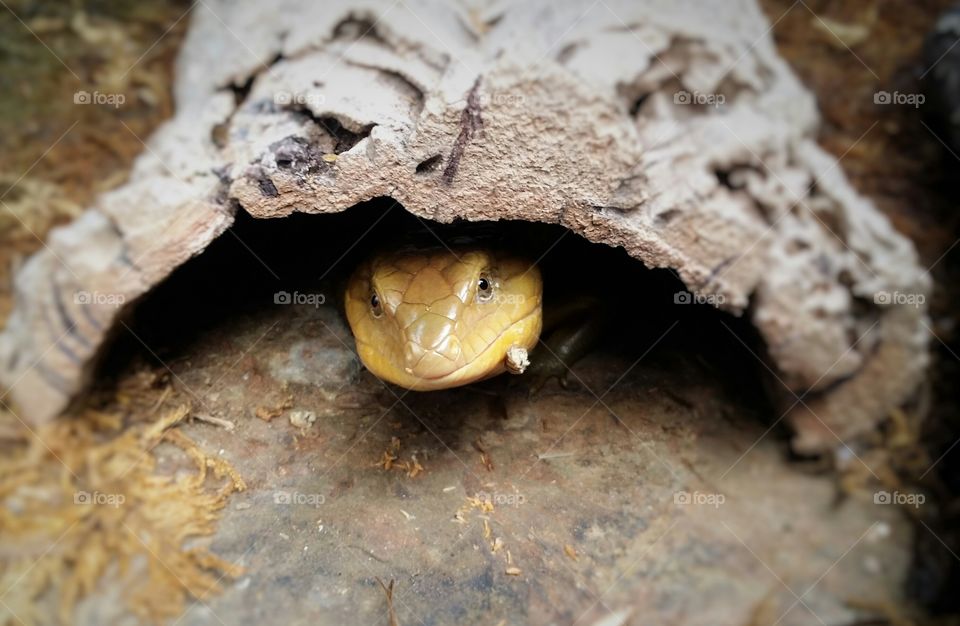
{"x": 82, "y": 501}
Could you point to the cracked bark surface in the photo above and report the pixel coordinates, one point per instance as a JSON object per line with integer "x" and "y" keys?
{"x": 539, "y": 112}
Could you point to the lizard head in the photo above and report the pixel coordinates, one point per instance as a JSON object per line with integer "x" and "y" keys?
{"x": 442, "y": 318}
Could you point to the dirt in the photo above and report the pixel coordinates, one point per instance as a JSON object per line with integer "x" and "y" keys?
{"x": 656, "y": 487}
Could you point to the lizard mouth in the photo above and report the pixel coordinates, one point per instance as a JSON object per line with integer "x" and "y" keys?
{"x": 442, "y": 374}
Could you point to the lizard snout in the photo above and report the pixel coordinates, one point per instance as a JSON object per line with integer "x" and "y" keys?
{"x": 431, "y": 349}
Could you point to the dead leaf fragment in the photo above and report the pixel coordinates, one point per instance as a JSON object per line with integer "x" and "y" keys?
{"x": 268, "y": 413}
{"x": 840, "y": 34}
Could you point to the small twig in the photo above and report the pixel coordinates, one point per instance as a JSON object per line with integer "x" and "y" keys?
{"x": 216, "y": 421}
{"x": 484, "y": 455}
{"x": 163, "y": 398}
{"x": 388, "y": 591}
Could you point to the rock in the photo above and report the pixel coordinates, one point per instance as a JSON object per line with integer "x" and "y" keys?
{"x": 303, "y": 419}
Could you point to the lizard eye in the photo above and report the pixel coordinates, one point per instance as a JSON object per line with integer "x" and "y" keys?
{"x": 375, "y": 306}
{"x": 484, "y": 289}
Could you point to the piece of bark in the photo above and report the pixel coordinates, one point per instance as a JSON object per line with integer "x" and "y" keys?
{"x": 672, "y": 129}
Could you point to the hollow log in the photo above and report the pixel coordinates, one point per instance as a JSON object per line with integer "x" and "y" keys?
{"x": 672, "y": 129}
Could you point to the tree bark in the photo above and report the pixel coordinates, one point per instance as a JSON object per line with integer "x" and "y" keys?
{"x": 672, "y": 129}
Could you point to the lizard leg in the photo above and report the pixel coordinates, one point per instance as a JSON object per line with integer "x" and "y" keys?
{"x": 573, "y": 329}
